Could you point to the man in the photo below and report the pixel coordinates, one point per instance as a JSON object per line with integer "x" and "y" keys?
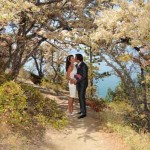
{"x": 81, "y": 83}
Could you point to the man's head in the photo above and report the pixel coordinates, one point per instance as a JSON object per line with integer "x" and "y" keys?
{"x": 78, "y": 58}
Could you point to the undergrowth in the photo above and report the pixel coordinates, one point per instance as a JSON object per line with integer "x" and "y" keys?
{"x": 120, "y": 117}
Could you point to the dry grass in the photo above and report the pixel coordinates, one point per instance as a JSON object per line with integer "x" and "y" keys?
{"x": 113, "y": 121}
{"x": 10, "y": 140}
{"x": 18, "y": 138}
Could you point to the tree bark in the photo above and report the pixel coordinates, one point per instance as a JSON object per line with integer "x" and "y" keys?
{"x": 144, "y": 91}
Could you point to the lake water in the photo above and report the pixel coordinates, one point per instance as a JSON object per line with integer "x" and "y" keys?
{"x": 108, "y": 82}
{"x": 104, "y": 84}
{"x": 112, "y": 81}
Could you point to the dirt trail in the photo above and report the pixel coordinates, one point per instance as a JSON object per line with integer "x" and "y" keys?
{"x": 80, "y": 134}
{"x": 85, "y": 134}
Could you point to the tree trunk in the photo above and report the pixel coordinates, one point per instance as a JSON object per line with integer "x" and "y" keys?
{"x": 144, "y": 90}
{"x": 91, "y": 80}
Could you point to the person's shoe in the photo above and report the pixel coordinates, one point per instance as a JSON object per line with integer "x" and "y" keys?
{"x": 78, "y": 113}
{"x": 68, "y": 113}
{"x": 81, "y": 116}
{"x": 72, "y": 113}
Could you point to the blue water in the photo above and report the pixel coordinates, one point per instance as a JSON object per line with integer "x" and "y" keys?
{"x": 105, "y": 83}
{"x": 112, "y": 81}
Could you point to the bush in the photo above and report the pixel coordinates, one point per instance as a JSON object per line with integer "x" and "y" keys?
{"x": 42, "y": 109}
{"x": 34, "y": 97}
{"x": 51, "y": 85}
{"x": 121, "y": 118}
{"x": 139, "y": 122}
{"x": 13, "y": 103}
{"x": 4, "y": 78}
{"x": 117, "y": 95}
{"x": 96, "y": 104}
{"x": 22, "y": 105}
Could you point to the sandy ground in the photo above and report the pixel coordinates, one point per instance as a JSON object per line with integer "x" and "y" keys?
{"x": 81, "y": 134}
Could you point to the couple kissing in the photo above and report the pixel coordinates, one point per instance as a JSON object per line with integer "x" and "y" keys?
{"x": 77, "y": 76}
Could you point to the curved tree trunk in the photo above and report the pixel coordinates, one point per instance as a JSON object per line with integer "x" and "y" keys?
{"x": 129, "y": 87}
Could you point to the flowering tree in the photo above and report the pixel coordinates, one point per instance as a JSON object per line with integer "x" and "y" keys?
{"x": 123, "y": 34}
{"x": 32, "y": 23}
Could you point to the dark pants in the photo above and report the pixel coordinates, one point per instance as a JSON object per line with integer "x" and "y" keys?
{"x": 81, "y": 94}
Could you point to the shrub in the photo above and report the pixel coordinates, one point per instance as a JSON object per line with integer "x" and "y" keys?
{"x": 96, "y": 104}
{"x": 35, "y": 78}
{"x": 33, "y": 98}
{"x": 51, "y": 85}
{"x": 13, "y": 103}
{"x": 22, "y": 105}
{"x": 117, "y": 95}
{"x": 120, "y": 118}
{"x": 50, "y": 112}
{"x": 4, "y": 78}
{"x": 139, "y": 122}
{"x": 42, "y": 109}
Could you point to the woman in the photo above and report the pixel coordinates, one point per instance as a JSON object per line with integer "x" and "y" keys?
{"x": 71, "y": 71}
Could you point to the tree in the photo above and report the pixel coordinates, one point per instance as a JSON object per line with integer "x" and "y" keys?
{"x": 36, "y": 22}
{"x": 126, "y": 24}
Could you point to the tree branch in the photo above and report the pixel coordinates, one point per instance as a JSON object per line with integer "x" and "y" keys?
{"x": 33, "y": 51}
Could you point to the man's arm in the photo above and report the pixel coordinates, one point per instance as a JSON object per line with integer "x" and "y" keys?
{"x": 85, "y": 73}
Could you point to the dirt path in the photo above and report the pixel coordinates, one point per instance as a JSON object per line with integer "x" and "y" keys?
{"x": 80, "y": 134}
{"x": 85, "y": 134}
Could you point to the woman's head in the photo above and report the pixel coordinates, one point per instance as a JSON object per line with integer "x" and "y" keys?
{"x": 69, "y": 60}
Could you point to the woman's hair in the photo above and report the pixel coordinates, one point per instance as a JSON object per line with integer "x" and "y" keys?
{"x": 79, "y": 57}
{"x": 68, "y": 61}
